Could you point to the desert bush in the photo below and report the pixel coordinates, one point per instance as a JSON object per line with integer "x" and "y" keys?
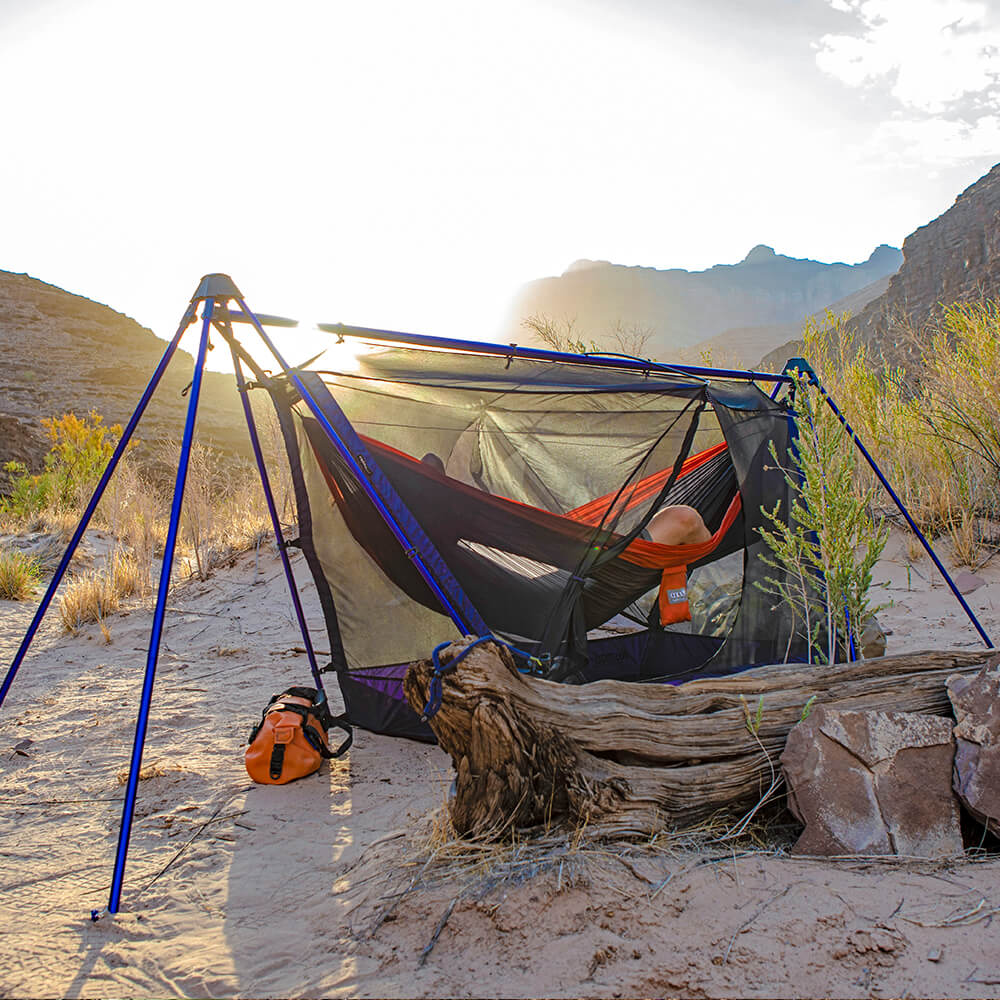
{"x": 934, "y": 428}
{"x": 629, "y": 339}
{"x": 19, "y": 575}
{"x": 223, "y": 512}
{"x": 80, "y": 449}
{"x": 825, "y": 547}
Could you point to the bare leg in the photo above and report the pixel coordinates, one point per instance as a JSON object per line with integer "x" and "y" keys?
{"x": 678, "y": 525}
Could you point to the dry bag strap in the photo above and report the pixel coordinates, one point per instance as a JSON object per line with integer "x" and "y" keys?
{"x": 311, "y": 734}
{"x": 341, "y": 722}
{"x": 277, "y": 761}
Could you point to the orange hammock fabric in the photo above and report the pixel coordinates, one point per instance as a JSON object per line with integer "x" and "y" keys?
{"x": 674, "y": 561}
{"x": 592, "y": 511}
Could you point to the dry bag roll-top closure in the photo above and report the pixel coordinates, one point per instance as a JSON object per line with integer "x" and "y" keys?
{"x": 291, "y": 740}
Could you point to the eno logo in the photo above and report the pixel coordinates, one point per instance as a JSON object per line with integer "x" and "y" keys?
{"x": 678, "y": 596}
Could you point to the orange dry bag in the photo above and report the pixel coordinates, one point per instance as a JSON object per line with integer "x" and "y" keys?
{"x": 290, "y": 741}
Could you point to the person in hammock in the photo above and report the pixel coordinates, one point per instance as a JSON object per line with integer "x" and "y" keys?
{"x": 676, "y": 525}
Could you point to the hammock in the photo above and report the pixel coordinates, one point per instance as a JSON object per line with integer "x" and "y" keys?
{"x": 511, "y": 557}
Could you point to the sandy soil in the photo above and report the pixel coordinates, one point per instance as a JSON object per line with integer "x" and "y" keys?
{"x": 321, "y": 888}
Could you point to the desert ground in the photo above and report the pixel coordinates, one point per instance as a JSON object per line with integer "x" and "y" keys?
{"x": 341, "y": 884}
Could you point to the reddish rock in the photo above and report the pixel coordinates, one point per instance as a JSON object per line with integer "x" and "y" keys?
{"x": 976, "y": 701}
{"x": 872, "y": 783}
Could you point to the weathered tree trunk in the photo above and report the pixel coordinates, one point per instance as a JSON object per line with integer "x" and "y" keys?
{"x": 634, "y": 759}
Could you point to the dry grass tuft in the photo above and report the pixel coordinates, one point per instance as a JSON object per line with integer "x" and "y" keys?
{"x": 146, "y": 772}
{"x": 19, "y": 575}
{"x": 474, "y": 868}
{"x": 93, "y": 596}
{"x": 223, "y": 515}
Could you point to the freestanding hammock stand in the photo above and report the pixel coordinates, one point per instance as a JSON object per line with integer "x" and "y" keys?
{"x": 214, "y": 295}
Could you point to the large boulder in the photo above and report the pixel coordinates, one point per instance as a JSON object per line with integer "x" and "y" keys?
{"x": 865, "y": 782}
{"x": 976, "y": 701}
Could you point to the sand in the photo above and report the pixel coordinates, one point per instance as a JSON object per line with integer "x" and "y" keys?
{"x": 243, "y": 890}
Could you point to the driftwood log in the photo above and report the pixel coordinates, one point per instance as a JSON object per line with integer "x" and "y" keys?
{"x": 634, "y": 759}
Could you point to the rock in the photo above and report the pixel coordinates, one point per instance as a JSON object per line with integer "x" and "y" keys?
{"x": 976, "y": 701}
{"x": 967, "y": 582}
{"x": 872, "y": 783}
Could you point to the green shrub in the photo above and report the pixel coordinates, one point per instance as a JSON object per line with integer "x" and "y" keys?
{"x": 80, "y": 449}
{"x": 934, "y": 428}
{"x": 825, "y": 550}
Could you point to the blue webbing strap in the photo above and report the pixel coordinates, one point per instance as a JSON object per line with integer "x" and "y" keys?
{"x": 435, "y": 692}
{"x": 386, "y": 492}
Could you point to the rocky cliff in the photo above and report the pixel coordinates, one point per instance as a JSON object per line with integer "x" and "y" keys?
{"x": 64, "y": 353}
{"x": 681, "y": 308}
{"x": 955, "y": 258}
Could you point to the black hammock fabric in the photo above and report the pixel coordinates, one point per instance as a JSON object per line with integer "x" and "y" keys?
{"x": 513, "y": 560}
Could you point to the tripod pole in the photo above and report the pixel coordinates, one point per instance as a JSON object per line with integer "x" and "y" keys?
{"x": 272, "y": 509}
{"x": 158, "y": 615}
{"x": 126, "y": 437}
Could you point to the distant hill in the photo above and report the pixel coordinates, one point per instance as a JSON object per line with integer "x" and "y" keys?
{"x": 64, "y": 353}
{"x": 954, "y": 258}
{"x": 745, "y": 346}
{"x": 682, "y": 309}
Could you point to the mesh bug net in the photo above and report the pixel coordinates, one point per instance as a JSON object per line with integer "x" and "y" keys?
{"x": 521, "y": 489}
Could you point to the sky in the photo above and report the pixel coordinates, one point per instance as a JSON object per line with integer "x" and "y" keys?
{"x": 406, "y": 165}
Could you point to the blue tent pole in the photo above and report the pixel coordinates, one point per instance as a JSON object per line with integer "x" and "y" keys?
{"x": 465, "y": 628}
{"x": 71, "y": 548}
{"x": 161, "y": 607}
{"x": 272, "y": 509}
{"x": 807, "y": 370}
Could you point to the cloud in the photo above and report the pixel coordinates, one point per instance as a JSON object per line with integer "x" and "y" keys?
{"x": 936, "y": 142}
{"x": 938, "y": 61}
{"x": 930, "y": 53}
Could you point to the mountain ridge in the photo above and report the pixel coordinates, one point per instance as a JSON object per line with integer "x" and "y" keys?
{"x": 681, "y": 308}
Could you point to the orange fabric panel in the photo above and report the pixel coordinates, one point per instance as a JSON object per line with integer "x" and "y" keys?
{"x": 673, "y": 600}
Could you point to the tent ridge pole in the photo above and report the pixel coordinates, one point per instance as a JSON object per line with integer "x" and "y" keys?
{"x": 161, "y": 606}
{"x": 123, "y": 443}
{"x": 539, "y": 354}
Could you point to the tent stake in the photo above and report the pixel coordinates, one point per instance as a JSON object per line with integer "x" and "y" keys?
{"x": 161, "y": 606}
{"x": 88, "y": 513}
